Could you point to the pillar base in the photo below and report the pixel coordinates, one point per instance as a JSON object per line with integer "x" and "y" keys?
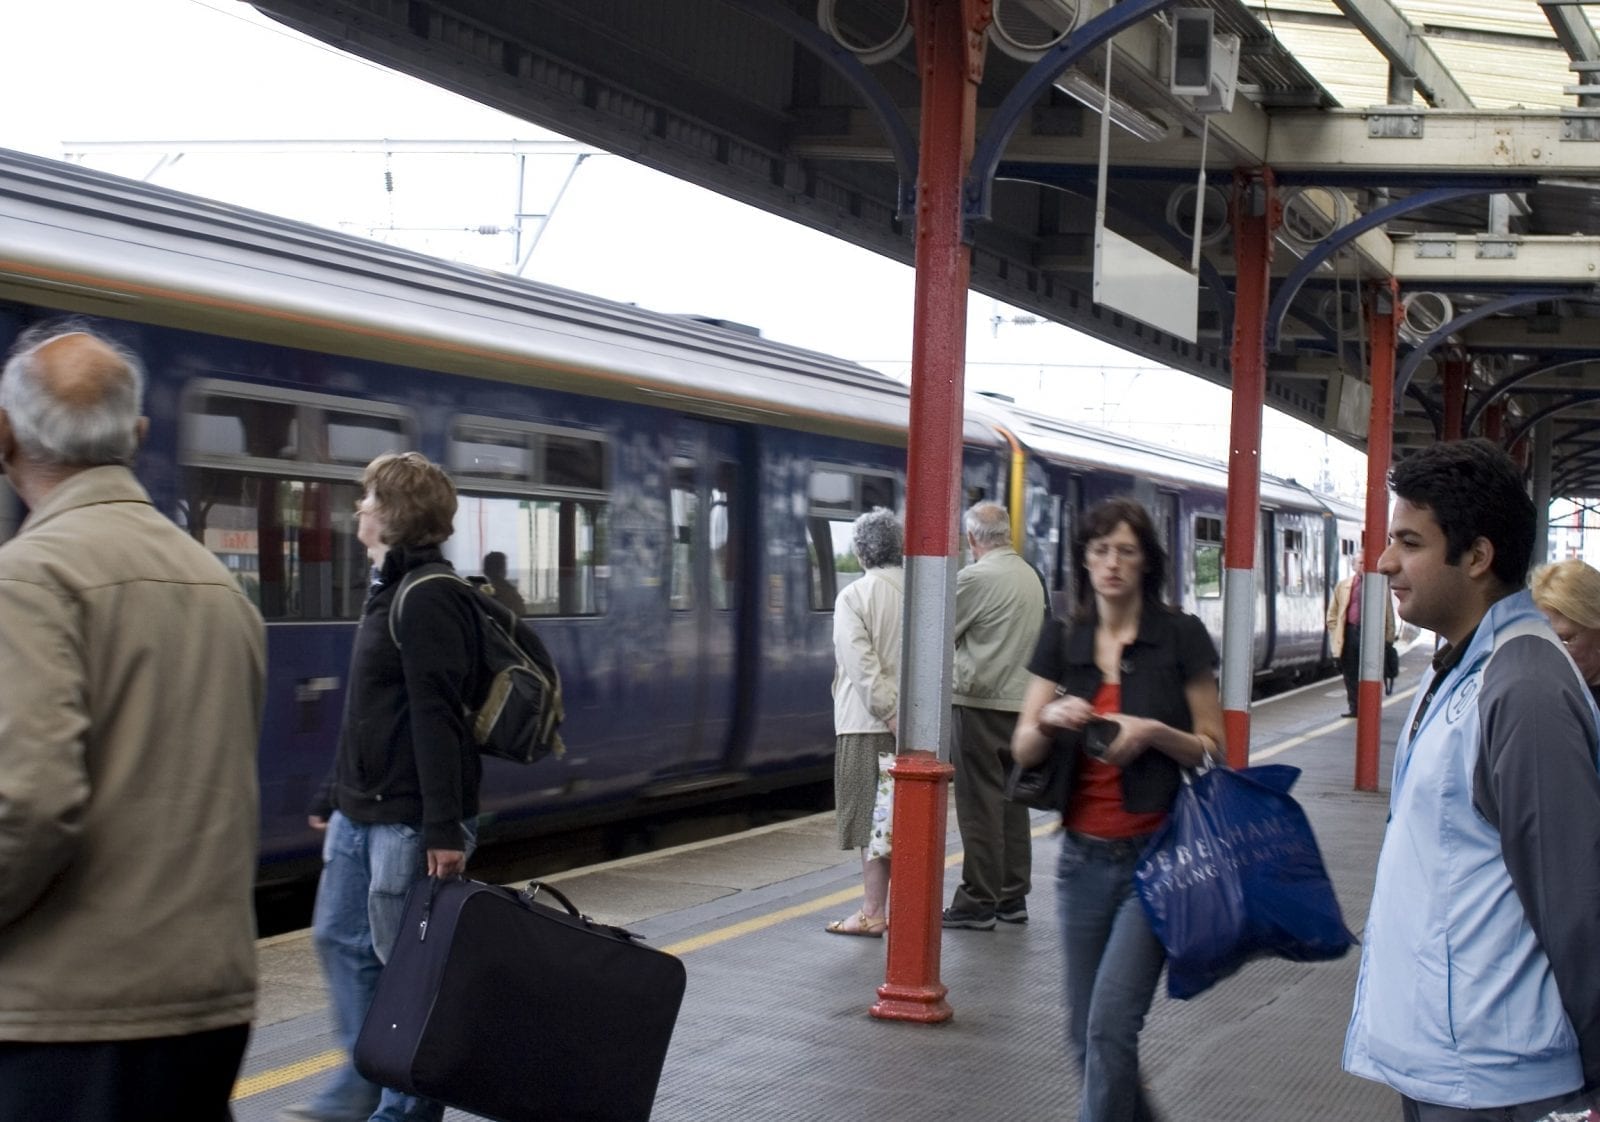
{"x": 923, "y": 1004}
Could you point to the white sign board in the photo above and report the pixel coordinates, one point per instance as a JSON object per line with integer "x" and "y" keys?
{"x": 1137, "y": 283}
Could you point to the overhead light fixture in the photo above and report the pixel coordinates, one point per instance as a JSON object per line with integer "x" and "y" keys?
{"x": 1083, "y": 89}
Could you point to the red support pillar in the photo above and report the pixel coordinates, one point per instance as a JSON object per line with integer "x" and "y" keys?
{"x": 1256, "y": 215}
{"x": 1494, "y": 422}
{"x": 1383, "y": 311}
{"x": 1456, "y": 369}
{"x": 950, "y": 38}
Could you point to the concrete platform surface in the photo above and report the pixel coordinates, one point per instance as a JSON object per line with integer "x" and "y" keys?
{"x": 775, "y": 1026}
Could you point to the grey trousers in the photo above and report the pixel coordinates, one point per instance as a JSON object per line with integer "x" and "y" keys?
{"x": 995, "y": 832}
{"x": 1413, "y": 1111}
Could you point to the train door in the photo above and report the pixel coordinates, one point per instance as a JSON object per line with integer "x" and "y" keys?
{"x": 1164, "y": 512}
{"x": 700, "y": 698}
{"x": 1066, "y": 499}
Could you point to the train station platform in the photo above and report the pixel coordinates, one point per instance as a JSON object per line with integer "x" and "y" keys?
{"x": 775, "y": 1024}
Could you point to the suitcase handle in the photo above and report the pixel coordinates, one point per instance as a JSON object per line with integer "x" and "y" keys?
{"x": 537, "y": 886}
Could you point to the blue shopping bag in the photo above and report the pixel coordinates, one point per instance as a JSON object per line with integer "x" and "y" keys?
{"x": 1235, "y": 874}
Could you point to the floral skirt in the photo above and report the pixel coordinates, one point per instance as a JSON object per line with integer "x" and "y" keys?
{"x": 863, "y": 791}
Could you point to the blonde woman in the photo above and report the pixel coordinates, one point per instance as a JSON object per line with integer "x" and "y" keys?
{"x": 1568, "y": 593}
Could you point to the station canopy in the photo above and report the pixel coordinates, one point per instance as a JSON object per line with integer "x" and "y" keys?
{"x": 1449, "y": 144}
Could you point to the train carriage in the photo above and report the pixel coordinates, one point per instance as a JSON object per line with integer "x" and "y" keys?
{"x": 673, "y": 496}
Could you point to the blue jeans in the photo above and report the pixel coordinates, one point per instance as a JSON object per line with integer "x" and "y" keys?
{"x": 1112, "y": 965}
{"x": 366, "y": 873}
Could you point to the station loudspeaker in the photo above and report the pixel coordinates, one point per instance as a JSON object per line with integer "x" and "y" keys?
{"x": 1203, "y": 66}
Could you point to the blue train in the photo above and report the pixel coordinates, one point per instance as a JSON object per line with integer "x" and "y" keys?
{"x": 673, "y": 496}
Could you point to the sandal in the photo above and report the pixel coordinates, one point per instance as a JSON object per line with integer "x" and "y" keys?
{"x": 869, "y": 927}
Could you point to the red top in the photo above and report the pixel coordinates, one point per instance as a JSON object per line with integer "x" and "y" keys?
{"x": 1095, "y": 807}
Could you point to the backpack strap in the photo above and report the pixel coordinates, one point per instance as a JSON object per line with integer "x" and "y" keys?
{"x": 415, "y": 577}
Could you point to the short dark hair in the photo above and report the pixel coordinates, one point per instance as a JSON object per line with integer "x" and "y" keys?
{"x": 1473, "y": 491}
{"x": 1100, "y": 520}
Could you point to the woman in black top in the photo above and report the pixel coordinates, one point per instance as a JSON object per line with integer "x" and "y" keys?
{"x": 1128, "y": 687}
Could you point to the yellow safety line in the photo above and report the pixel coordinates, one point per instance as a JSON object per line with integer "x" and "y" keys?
{"x": 1333, "y": 726}
{"x": 273, "y": 1078}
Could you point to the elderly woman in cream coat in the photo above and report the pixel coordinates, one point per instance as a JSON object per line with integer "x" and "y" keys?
{"x": 866, "y": 703}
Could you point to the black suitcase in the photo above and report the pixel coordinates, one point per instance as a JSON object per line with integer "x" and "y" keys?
{"x": 506, "y": 1008}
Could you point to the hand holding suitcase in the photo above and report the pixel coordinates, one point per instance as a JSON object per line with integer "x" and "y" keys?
{"x": 499, "y": 1005}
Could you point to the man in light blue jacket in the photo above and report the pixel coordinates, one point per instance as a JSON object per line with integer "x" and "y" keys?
{"x": 1479, "y": 994}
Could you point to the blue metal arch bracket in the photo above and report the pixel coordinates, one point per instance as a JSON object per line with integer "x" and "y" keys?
{"x": 1510, "y": 382}
{"x": 1338, "y": 239}
{"x": 1583, "y": 397}
{"x": 978, "y": 196}
{"x": 1505, "y": 303}
{"x": 901, "y": 140}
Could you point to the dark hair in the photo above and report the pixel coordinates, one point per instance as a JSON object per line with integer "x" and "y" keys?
{"x": 1473, "y": 491}
{"x": 494, "y": 564}
{"x": 1102, "y": 519}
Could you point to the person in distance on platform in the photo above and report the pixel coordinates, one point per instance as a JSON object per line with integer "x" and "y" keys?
{"x": 1000, "y": 605}
{"x": 1479, "y": 996}
{"x": 866, "y": 703}
{"x": 1150, "y": 669}
{"x": 1344, "y": 633}
{"x": 134, "y": 673}
{"x": 494, "y": 571}
{"x": 1568, "y": 593}
{"x": 401, "y": 802}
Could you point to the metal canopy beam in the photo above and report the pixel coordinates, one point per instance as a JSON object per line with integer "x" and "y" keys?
{"x": 1334, "y": 144}
{"x": 1408, "y": 53}
{"x": 1495, "y": 259}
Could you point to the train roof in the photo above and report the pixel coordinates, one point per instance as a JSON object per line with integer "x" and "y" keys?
{"x": 104, "y": 245}
{"x": 1074, "y": 445}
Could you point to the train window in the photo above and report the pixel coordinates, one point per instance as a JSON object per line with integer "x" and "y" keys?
{"x": 555, "y": 548}
{"x": 1207, "y": 557}
{"x": 226, "y": 423}
{"x": 270, "y": 486}
{"x": 490, "y": 449}
{"x": 724, "y": 551}
{"x": 290, "y": 543}
{"x": 838, "y": 497}
{"x": 1294, "y": 561}
{"x": 685, "y": 511}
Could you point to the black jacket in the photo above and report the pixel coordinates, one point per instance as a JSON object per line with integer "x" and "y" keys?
{"x": 405, "y": 754}
{"x": 1171, "y": 650}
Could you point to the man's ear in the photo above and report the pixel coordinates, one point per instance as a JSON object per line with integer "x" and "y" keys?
{"x": 7, "y": 440}
{"x": 141, "y": 431}
{"x": 1479, "y": 557}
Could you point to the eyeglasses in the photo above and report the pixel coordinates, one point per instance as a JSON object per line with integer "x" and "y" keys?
{"x": 1104, "y": 551}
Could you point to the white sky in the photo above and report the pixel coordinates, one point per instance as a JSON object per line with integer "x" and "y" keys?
{"x": 99, "y": 70}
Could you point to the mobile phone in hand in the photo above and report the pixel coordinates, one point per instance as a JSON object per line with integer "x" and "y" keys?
{"x": 1098, "y": 735}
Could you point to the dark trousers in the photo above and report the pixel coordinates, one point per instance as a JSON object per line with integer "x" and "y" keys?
{"x": 1350, "y": 662}
{"x": 995, "y": 832}
{"x": 1414, "y": 1111}
{"x": 155, "y": 1080}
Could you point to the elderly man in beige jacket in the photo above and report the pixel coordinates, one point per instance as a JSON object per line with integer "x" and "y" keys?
{"x": 134, "y": 673}
{"x": 1000, "y": 606}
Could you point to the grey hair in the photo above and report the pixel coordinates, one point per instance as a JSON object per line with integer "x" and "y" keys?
{"x": 52, "y": 432}
{"x": 989, "y": 524}
{"x": 877, "y": 539}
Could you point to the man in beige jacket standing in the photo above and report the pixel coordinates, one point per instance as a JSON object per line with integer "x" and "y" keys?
{"x": 1000, "y": 606}
{"x": 133, "y": 677}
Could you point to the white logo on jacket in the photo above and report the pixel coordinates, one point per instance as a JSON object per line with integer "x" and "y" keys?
{"x": 1463, "y": 697}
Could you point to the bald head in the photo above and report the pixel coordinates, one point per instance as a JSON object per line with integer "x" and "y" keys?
{"x": 71, "y": 398}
